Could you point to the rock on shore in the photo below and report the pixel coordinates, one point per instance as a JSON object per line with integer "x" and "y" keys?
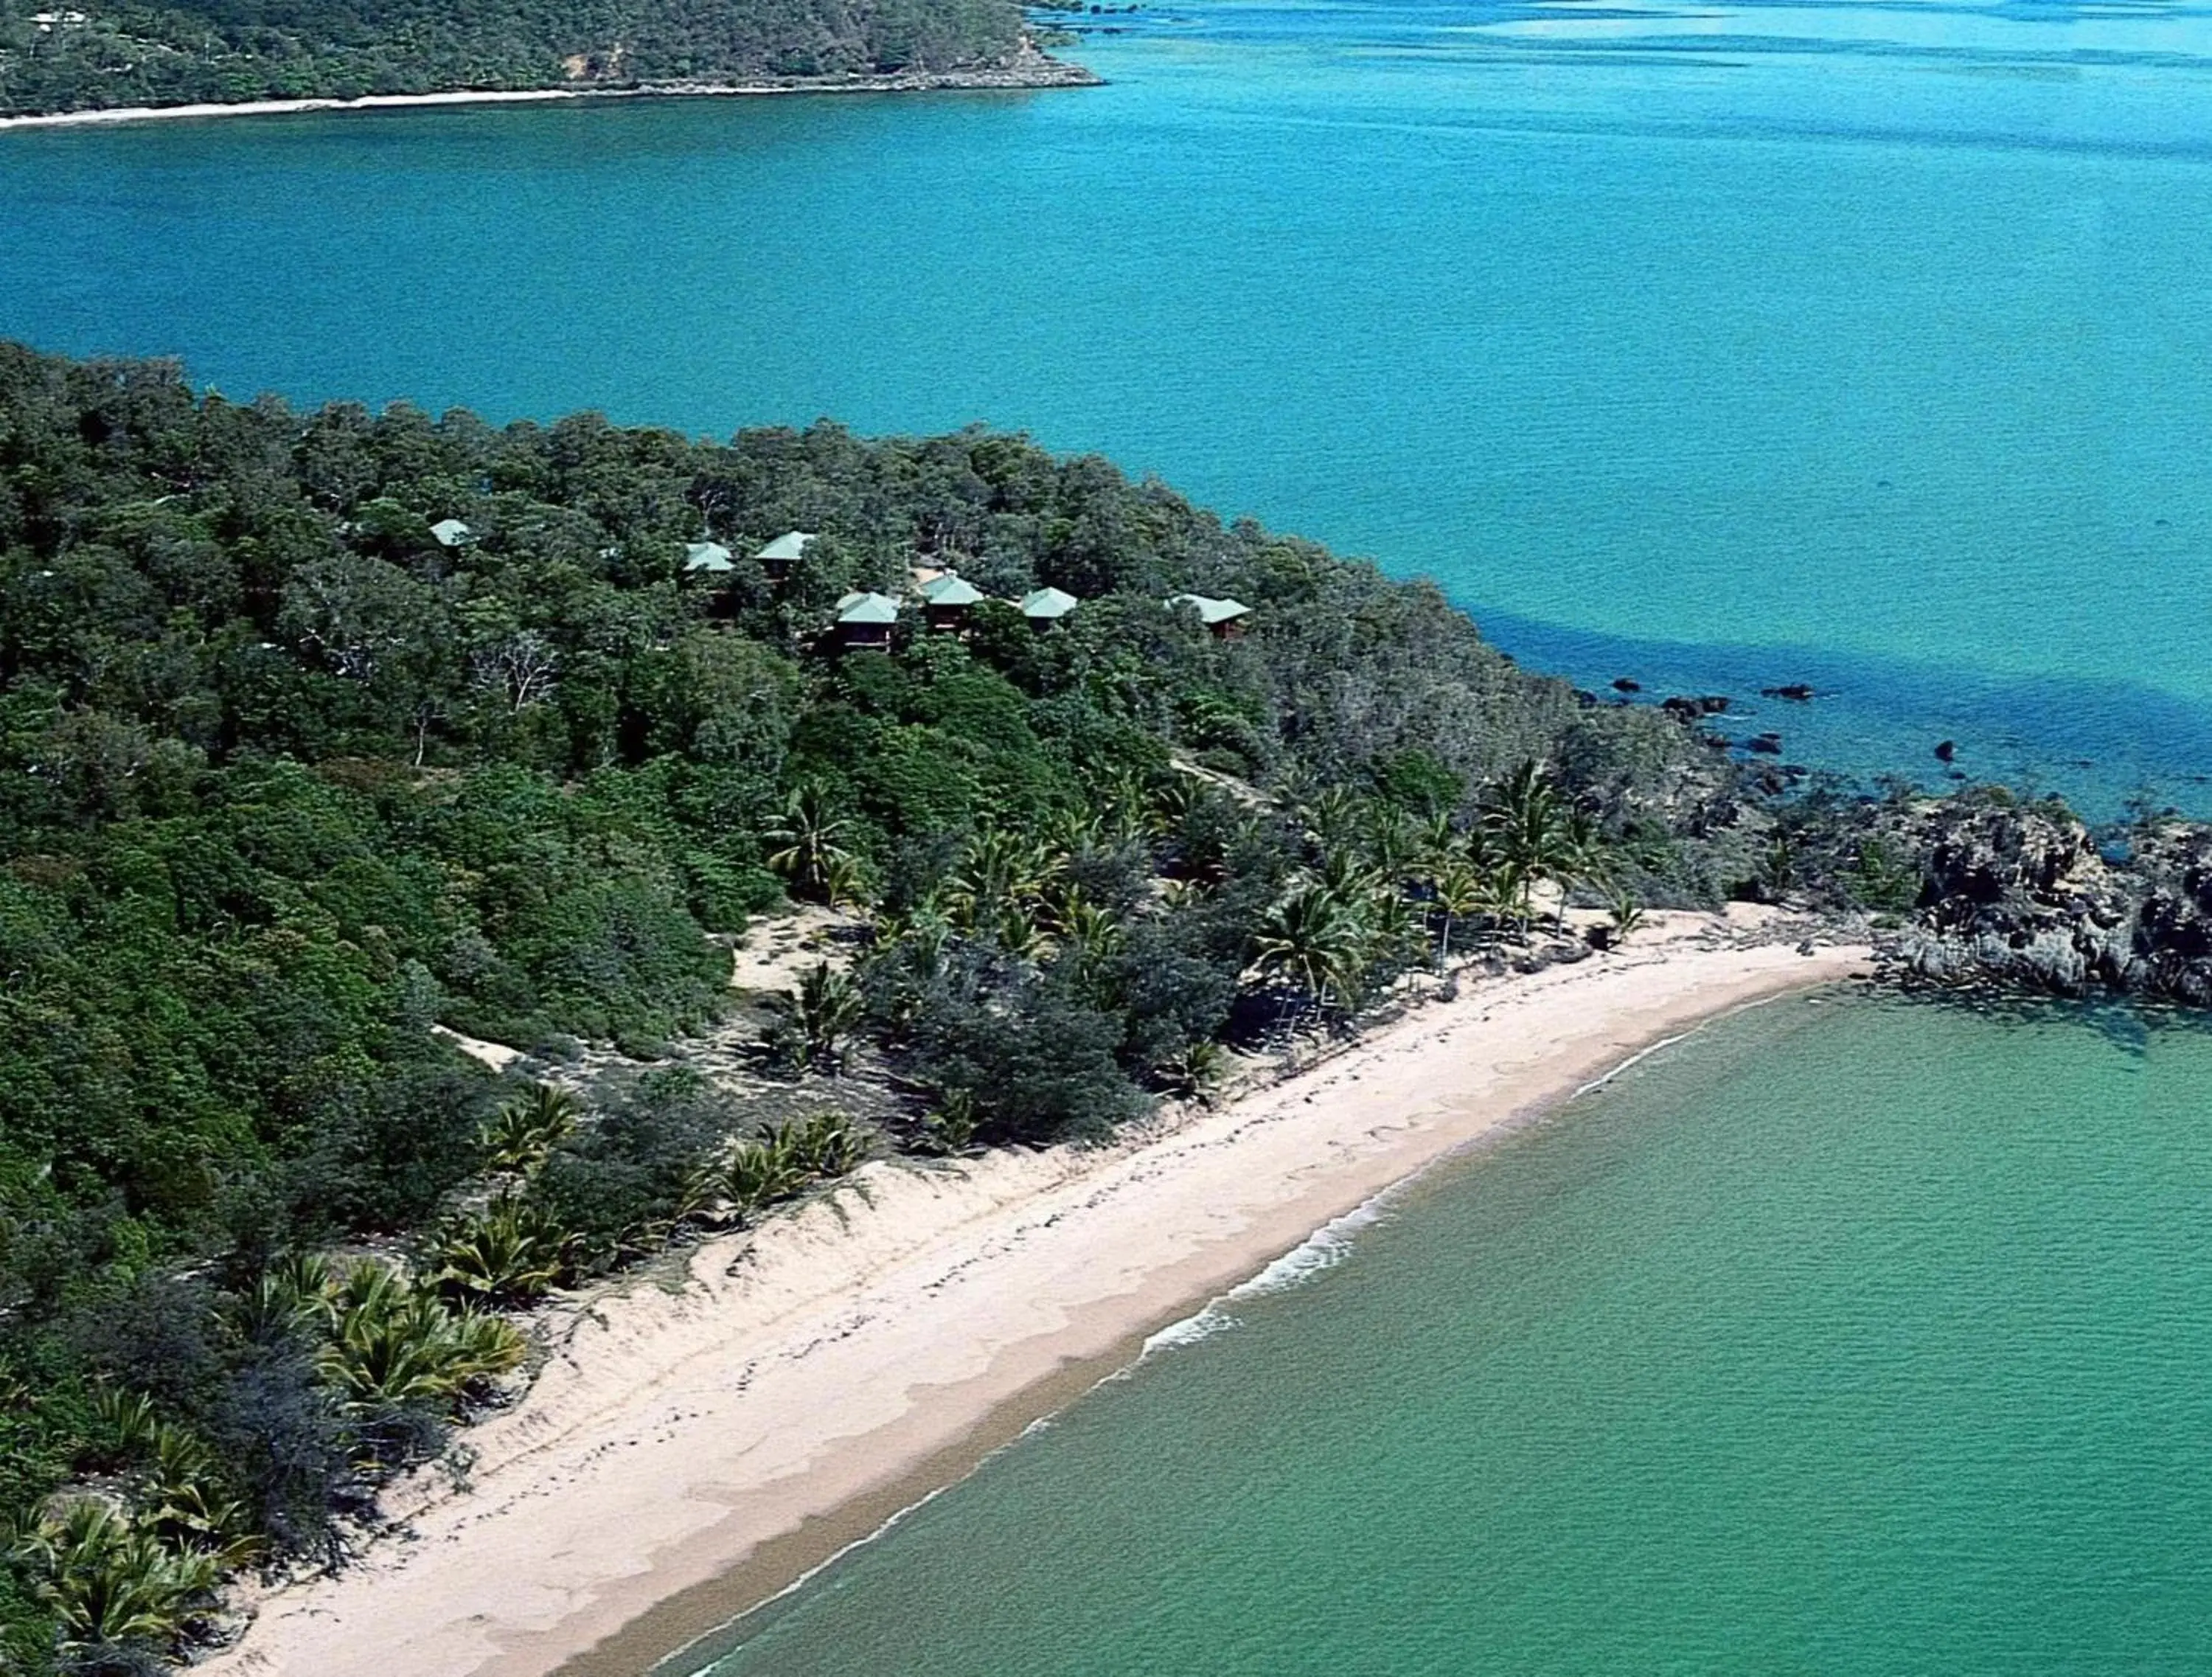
{"x": 2025, "y": 896}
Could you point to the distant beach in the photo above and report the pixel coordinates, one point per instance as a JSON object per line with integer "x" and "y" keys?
{"x": 686, "y": 1454}
{"x": 1034, "y": 70}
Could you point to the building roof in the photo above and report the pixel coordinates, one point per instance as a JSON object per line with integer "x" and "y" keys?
{"x": 791, "y": 545}
{"x": 706, "y": 556}
{"x": 867, "y": 609}
{"x": 951, "y": 590}
{"x": 452, "y": 532}
{"x": 1212, "y": 611}
{"x": 1048, "y": 603}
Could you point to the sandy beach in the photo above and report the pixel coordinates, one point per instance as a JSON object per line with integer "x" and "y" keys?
{"x": 1033, "y": 73}
{"x": 687, "y": 1453}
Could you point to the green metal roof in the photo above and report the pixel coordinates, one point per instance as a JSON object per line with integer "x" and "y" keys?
{"x": 951, "y": 590}
{"x": 707, "y": 556}
{"x": 1212, "y": 611}
{"x": 791, "y": 544}
{"x": 1048, "y": 603}
{"x": 452, "y": 532}
{"x": 867, "y": 609}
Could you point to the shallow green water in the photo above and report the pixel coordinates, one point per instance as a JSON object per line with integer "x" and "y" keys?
{"x": 1868, "y": 1337}
{"x": 1873, "y": 338}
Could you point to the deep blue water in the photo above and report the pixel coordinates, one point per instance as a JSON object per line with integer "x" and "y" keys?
{"x": 1717, "y": 347}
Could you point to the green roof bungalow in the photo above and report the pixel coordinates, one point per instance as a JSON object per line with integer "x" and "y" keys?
{"x": 777, "y": 558}
{"x": 864, "y": 621}
{"x": 946, "y": 600}
{"x": 1224, "y": 618}
{"x": 452, "y": 532}
{"x": 708, "y": 559}
{"x": 1047, "y": 607}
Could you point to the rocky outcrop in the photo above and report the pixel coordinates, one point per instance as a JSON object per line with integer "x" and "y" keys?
{"x": 2025, "y": 895}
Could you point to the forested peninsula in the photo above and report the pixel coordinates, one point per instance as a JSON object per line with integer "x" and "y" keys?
{"x": 67, "y": 56}
{"x": 337, "y": 743}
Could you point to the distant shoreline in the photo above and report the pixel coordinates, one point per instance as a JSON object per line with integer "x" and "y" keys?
{"x": 686, "y": 1454}
{"x": 1033, "y": 71}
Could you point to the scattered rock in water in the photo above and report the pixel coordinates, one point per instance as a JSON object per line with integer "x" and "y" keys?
{"x": 1767, "y": 744}
{"x": 1623, "y": 685}
{"x": 1690, "y": 709}
{"x": 1796, "y": 771}
{"x": 1947, "y": 751}
{"x": 1796, "y": 692}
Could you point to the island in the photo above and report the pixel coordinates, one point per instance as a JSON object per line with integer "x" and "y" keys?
{"x": 197, "y": 57}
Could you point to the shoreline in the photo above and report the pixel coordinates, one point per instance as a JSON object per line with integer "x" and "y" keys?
{"x": 685, "y": 1456}
{"x": 1033, "y": 72}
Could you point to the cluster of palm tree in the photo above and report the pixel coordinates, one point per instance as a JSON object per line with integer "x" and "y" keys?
{"x": 123, "y": 1596}
{"x": 129, "y": 1570}
{"x": 1021, "y": 891}
{"x": 510, "y": 1250}
{"x": 777, "y": 1162}
{"x": 391, "y": 1342}
{"x": 1383, "y": 889}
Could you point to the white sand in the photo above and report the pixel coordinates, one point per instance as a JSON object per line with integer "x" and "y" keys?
{"x": 1014, "y": 80}
{"x": 822, "y": 1364}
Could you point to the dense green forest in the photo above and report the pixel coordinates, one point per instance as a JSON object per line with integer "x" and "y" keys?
{"x": 289, "y": 781}
{"x": 65, "y": 55}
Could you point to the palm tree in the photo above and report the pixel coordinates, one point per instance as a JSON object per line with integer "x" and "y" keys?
{"x": 1461, "y": 891}
{"x": 1311, "y": 939}
{"x": 1333, "y": 819}
{"x": 996, "y": 868}
{"x": 1527, "y": 818}
{"x": 509, "y": 1253}
{"x": 1585, "y": 857}
{"x": 809, "y": 853}
{"x": 524, "y": 1132}
{"x": 1395, "y": 843}
{"x": 827, "y": 1007}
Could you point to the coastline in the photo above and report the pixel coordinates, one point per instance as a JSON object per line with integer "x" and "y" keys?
{"x": 1033, "y": 71}
{"x": 684, "y": 1455}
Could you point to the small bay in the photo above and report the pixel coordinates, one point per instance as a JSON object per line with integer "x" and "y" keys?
{"x": 1849, "y": 1335}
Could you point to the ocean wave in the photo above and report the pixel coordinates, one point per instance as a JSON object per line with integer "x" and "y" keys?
{"x": 1323, "y": 1250}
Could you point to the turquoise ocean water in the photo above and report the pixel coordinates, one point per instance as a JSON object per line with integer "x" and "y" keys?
{"x": 1715, "y": 346}
{"x": 1862, "y": 1338}
{"x": 1718, "y": 346}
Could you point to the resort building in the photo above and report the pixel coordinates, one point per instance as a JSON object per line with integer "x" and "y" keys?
{"x": 1224, "y": 618}
{"x": 452, "y": 532}
{"x": 1048, "y": 606}
{"x": 947, "y": 598}
{"x": 706, "y": 559}
{"x": 781, "y": 555}
{"x": 865, "y": 621}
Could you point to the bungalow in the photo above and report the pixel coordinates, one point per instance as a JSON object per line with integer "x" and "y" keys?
{"x": 1224, "y": 618}
{"x": 947, "y": 599}
{"x": 864, "y": 621}
{"x": 1047, "y": 607}
{"x": 452, "y": 532}
{"x": 706, "y": 559}
{"x": 781, "y": 555}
